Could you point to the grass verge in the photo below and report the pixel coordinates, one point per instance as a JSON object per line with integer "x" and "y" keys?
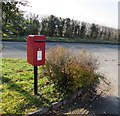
{"x": 60, "y": 39}
{"x": 15, "y": 38}
{"x": 80, "y": 40}
{"x": 17, "y": 88}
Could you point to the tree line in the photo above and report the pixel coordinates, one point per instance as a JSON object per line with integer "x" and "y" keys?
{"x": 65, "y": 27}
{"x": 15, "y": 23}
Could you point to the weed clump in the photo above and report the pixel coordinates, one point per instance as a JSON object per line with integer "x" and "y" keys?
{"x": 71, "y": 70}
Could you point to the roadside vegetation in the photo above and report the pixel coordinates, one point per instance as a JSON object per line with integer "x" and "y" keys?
{"x": 64, "y": 74}
{"x": 71, "y": 70}
{"x": 17, "y": 25}
{"x": 60, "y": 39}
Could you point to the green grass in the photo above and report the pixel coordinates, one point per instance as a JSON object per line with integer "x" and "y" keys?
{"x": 79, "y": 40}
{"x": 15, "y": 38}
{"x": 18, "y": 85}
{"x": 60, "y": 39}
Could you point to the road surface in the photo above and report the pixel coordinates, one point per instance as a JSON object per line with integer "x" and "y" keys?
{"x": 106, "y": 54}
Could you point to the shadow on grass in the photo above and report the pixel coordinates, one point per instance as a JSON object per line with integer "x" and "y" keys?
{"x": 37, "y": 101}
{"x": 97, "y": 106}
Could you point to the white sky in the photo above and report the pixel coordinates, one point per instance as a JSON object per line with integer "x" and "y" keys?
{"x": 103, "y": 12}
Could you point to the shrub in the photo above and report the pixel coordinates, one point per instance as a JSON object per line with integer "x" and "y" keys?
{"x": 70, "y": 70}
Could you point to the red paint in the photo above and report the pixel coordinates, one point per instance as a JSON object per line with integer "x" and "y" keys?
{"x": 35, "y": 43}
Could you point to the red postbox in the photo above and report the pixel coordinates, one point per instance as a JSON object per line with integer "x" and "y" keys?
{"x": 36, "y": 49}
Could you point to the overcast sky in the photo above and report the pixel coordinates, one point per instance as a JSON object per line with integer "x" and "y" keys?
{"x": 103, "y": 12}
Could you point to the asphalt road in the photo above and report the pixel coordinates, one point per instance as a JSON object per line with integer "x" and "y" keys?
{"x": 106, "y": 54}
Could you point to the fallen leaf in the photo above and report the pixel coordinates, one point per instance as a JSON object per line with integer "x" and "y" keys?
{"x": 20, "y": 71}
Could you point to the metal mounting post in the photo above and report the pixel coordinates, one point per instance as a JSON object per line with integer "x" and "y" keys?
{"x": 35, "y": 80}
